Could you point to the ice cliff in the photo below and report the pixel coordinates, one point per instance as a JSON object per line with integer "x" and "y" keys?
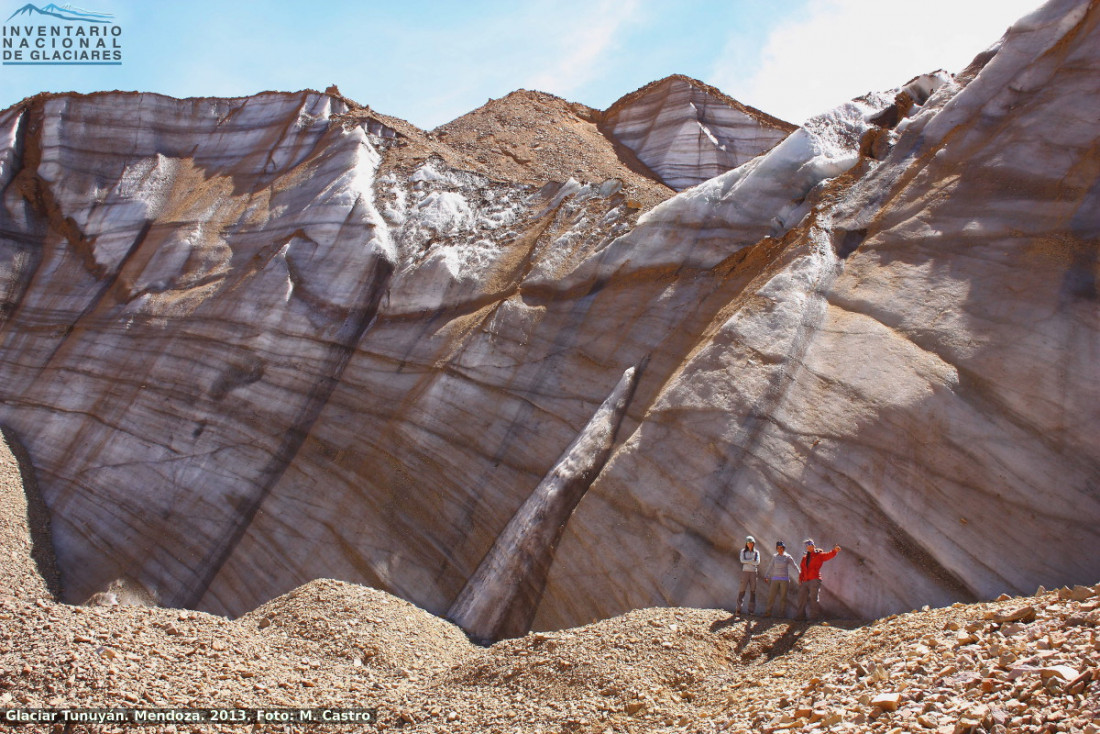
{"x": 687, "y": 132}
{"x": 252, "y": 342}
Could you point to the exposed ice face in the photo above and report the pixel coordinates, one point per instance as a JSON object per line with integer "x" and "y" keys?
{"x": 586, "y": 219}
{"x": 686, "y": 135}
{"x": 202, "y": 214}
{"x": 765, "y": 197}
{"x": 461, "y": 235}
{"x": 450, "y": 227}
{"x": 394, "y": 198}
{"x": 443, "y": 204}
{"x": 9, "y": 128}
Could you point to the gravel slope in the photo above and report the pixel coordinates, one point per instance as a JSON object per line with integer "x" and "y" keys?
{"x": 1015, "y": 665}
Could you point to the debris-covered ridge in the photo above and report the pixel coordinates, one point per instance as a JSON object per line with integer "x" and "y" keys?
{"x": 1021, "y": 664}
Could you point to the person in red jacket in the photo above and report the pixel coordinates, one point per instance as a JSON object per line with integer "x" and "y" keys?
{"x": 810, "y": 575}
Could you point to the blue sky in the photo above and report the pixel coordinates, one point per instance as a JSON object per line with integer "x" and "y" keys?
{"x": 429, "y": 62}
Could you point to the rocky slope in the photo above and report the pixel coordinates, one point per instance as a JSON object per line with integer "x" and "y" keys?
{"x": 331, "y": 644}
{"x": 29, "y": 569}
{"x": 250, "y": 343}
{"x": 1017, "y": 664}
{"x": 533, "y": 138}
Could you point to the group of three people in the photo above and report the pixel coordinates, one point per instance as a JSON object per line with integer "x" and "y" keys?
{"x": 780, "y": 572}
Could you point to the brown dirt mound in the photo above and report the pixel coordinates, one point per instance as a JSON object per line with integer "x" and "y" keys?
{"x": 647, "y": 668}
{"x": 533, "y": 137}
{"x": 353, "y": 622}
{"x": 527, "y": 138}
{"x": 1020, "y": 664}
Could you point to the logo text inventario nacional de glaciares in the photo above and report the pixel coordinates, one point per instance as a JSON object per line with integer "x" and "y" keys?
{"x": 64, "y": 35}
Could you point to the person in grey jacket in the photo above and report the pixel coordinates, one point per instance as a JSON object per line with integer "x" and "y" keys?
{"x": 782, "y": 569}
{"x": 750, "y": 563}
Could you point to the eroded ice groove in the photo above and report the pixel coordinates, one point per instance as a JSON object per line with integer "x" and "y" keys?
{"x": 501, "y": 598}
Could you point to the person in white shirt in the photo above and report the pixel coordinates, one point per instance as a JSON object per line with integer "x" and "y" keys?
{"x": 750, "y": 563}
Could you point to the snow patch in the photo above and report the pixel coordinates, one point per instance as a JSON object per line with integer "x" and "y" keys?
{"x": 444, "y": 212}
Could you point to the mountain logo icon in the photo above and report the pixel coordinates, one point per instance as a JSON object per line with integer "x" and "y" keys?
{"x": 64, "y": 12}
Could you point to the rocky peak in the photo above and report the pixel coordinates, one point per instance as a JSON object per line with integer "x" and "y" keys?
{"x": 533, "y": 137}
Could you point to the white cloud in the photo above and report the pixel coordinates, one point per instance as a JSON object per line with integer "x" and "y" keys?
{"x": 844, "y": 48}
